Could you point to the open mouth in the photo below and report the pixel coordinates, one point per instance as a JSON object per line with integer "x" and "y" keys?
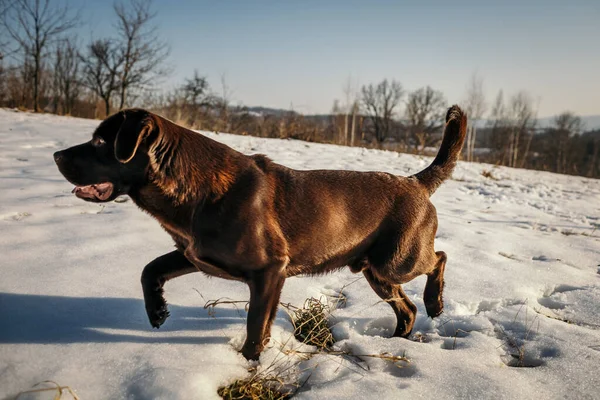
{"x": 98, "y": 191}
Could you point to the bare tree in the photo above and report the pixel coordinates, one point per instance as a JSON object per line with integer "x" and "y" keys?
{"x": 566, "y": 125}
{"x": 56, "y": 95}
{"x": 498, "y": 113}
{"x": 523, "y": 119}
{"x": 381, "y": 103}
{"x": 425, "y": 110}
{"x": 196, "y": 89}
{"x": 347, "y": 94}
{"x": 351, "y": 106}
{"x": 142, "y": 51}
{"x": 355, "y": 110}
{"x": 223, "y": 102}
{"x": 4, "y": 7}
{"x": 337, "y": 122}
{"x": 499, "y": 126}
{"x": 34, "y": 25}
{"x": 512, "y": 127}
{"x": 592, "y": 168}
{"x": 4, "y": 77}
{"x": 475, "y": 106}
{"x": 100, "y": 70}
{"x": 569, "y": 122}
{"x": 196, "y": 99}
{"x": 350, "y": 89}
{"x": 66, "y": 75}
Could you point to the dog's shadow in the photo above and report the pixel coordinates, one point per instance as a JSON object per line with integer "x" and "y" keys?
{"x": 26, "y": 318}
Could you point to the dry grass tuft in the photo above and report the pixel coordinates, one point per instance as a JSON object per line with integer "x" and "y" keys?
{"x": 211, "y": 305}
{"x": 279, "y": 380}
{"x": 488, "y": 174}
{"x": 509, "y": 256}
{"x": 256, "y": 388}
{"x": 337, "y": 300}
{"x": 310, "y": 323}
{"x": 56, "y": 388}
{"x": 568, "y": 232}
{"x": 517, "y": 354}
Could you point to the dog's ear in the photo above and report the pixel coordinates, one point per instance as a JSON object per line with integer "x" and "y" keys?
{"x": 132, "y": 132}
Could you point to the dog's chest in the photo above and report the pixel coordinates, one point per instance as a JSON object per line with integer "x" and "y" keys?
{"x": 192, "y": 251}
{"x": 181, "y": 238}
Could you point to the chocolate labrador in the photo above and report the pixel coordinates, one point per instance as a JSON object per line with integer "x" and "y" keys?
{"x": 249, "y": 219}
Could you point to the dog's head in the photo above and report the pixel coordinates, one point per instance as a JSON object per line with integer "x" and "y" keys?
{"x": 115, "y": 160}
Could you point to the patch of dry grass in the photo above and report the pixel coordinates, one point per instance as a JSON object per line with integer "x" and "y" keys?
{"x": 569, "y": 232}
{"x": 56, "y": 388}
{"x": 257, "y": 387}
{"x": 310, "y": 323}
{"x": 515, "y": 341}
{"x": 509, "y": 256}
{"x": 486, "y": 173}
{"x": 311, "y": 326}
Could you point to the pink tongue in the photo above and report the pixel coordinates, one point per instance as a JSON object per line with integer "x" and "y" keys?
{"x": 101, "y": 191}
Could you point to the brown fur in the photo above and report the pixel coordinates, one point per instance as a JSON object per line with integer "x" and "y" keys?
{"x": 249, "y": 219}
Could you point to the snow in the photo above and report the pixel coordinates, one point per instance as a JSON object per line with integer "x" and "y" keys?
{"x": 523, "y": 278}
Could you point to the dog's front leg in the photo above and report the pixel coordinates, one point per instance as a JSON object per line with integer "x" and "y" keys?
{"x": 154, "y": 276}
{"x": 265, "y": 290}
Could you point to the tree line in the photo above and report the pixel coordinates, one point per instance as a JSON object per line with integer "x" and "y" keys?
{"x": 45, "y": 67}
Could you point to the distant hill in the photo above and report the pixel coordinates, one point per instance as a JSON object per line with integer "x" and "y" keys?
{"x": 591, "y": 122}
{"x": 268, "y": 111}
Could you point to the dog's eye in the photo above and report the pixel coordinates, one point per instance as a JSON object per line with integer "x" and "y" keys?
{"x": 97, "y": 142}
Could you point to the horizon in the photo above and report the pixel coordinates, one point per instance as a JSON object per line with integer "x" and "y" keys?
{"x": 299, "y": 56}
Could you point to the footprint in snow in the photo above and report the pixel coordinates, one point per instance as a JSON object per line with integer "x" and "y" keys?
{"x": 383, "y": 327}
{"x": 561, "y": 289}
{"x": 518, "y": 347}
{"x": 402, "y": 369}
{"x": 555, "y": 299}
{"x": 544, "y": 258}
{"x": 16, "y": 216}
{"x": 551, "y": 303}
{"x": 488, "y": 305}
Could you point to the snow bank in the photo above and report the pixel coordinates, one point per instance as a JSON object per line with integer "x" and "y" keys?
{"x": 522, "y": 288}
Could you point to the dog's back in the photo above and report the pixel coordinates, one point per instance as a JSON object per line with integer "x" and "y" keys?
{"x": 333, "y": 218}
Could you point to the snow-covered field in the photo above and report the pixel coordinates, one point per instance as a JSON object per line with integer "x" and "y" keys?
{"x": 522, "y": 289}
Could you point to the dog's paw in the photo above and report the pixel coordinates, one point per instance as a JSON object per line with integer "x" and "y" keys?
{"x": 158, "y": 316}
{"x": 251, "y": 352}
{"x": 434, "y": 309}
{"x": 250, "y": 355}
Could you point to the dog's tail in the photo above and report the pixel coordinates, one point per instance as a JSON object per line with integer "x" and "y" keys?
{"x": 452, "y": 143}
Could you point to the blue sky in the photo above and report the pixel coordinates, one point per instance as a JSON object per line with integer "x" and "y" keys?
{"x": 299, "y": 53}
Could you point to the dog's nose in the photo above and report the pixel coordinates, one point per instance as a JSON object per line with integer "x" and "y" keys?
{"x": 58, "y": 156}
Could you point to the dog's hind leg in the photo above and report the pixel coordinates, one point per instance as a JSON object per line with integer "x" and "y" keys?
{"x": 393, "y": 294}
{"x": 154, "y": 276}
{"x": 432, "y": 296}
{"x": 265, "y": 290}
